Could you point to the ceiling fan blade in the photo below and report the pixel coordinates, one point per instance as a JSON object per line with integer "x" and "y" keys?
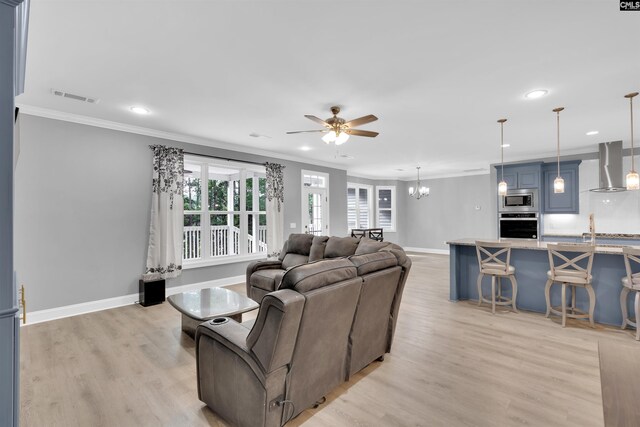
{"x": 317, "y": 120}
{"x": 361, "y": 121}
{"x": 307, "y": 131}
{"x": 359, "y": 132}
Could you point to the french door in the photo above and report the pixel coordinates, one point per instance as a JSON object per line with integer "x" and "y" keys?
{"x": 315, "y": 217}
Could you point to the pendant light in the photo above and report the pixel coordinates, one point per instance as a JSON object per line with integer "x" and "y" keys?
{"x": 633, "y": 180}
{"x": 420, "y": 190}
{"x": 502, "y": 186}
{"x": 558, "y": 183}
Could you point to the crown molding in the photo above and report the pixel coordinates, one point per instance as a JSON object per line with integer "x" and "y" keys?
{"x": 139, "y": 130}
{"x": 12, "y": 3}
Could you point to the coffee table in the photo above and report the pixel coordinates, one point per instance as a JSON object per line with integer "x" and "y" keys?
{"x": 205, "y": 304}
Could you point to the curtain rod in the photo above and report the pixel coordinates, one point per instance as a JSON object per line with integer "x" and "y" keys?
{"x": 227, "y": 159}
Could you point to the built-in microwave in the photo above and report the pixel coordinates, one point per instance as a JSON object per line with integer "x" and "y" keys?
{"x": 520, "y": 200}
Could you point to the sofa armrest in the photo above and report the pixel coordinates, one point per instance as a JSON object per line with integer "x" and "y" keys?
{"x": 260, "y": 265}
{"x": 234, "y": 337}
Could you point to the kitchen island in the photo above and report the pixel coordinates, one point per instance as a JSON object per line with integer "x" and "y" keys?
{"x": 531, "y": 261}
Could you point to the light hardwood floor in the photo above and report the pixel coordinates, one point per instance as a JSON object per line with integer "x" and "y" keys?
{"x": 452, "y": 364}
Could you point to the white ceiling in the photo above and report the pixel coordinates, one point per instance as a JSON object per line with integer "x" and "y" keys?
{"x": 438, "y": 74}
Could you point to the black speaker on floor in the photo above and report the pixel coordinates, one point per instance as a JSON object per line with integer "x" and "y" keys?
{"x": 151, "y": 293}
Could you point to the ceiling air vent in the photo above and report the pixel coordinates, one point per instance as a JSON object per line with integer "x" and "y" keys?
{"x": 80, "y": 98}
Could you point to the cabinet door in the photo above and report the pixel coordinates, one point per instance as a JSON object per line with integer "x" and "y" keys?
{"x": 528, "y": 179}
{"x": 511, "y": 178}
{"x": 567, "y": 202}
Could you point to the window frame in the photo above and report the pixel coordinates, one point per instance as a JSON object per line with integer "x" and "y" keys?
{"x": 393, "y": 210}
{"x": 370, "y": 189}
{"x": 205, "y": 213}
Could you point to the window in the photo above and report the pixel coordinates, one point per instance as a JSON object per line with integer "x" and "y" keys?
{"x": 315, "y": 203}
{"x": 386, "y": 207}
{"x": 230, "y": 220}
{"x": 359, "y": 206}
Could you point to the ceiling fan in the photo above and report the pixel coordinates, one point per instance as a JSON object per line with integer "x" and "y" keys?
{"x": 338, "y": 129}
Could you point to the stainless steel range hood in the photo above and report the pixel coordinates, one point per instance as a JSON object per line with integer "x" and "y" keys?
{"x": 610, "y": 168}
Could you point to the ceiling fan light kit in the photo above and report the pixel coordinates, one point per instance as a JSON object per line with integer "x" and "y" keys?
{"x": 338, "y": 129}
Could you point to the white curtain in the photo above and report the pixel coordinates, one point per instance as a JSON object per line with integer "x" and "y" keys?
{"x": 275, "y": 209}
{"x": 164, "y": 258}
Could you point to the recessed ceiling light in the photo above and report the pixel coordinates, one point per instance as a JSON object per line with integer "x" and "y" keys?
{"x": 538, "y": 93}
{"x": 506, "y": 145}
{"x": 140, "y": 110}
{"x": 592, "y": 132}
{"x": 305, "y": 148}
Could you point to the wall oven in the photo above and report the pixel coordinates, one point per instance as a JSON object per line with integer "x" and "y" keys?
{"x": 519, "y": 225}
{"x": 520, "y": 200}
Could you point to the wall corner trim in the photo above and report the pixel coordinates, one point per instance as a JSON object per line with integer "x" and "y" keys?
{"x": 105, "y": 304}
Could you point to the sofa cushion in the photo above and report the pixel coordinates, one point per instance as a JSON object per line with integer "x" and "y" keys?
{"x": 307, "y": 277}
{"x": 368, "y": 263}
{"x": 398, "y": 252}
{"x": 317, "y": 248}
{"x": 299, "y": 243}
{"x": 268, "y": 280}
{"x": 341, "y": 246}
{"x": 291, "y": 260}
{"x": 367, "y": 246}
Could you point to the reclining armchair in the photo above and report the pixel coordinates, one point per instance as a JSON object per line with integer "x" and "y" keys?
{"x": 295, "y": 354}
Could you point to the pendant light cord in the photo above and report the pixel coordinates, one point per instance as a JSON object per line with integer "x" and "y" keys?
{"x": 557, "y": 111}
{"x": 502, "y": 151}
{"x": 633, "y": 163}
{"x": 558, "y": 139}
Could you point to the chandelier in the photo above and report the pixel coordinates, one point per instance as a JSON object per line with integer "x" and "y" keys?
{"x": 419, "y": 191}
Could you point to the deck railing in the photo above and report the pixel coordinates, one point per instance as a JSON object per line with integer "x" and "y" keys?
{"x": 224, "y": 240}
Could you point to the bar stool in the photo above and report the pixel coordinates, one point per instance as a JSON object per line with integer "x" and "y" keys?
{"x": 567, "y": 271}
{"x": 493, "y": 260}
{"x": 631, "y": 282}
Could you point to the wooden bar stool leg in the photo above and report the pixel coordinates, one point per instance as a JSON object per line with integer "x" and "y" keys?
{"x": 623, "y": 305}
{"x": 499, "y": 288}
{"x": 514, "y": 291}
{"x": 547, "y": 296}
{"x": 480, "y": 276}
{"x": 564, "y": 305}
{"x": 573, "y": 299}
{"x": 493, "y": 294}
{"x": 636, "y": 307}
{"x": 592, "y": 304}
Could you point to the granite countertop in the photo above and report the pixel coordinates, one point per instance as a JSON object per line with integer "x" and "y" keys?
{"x": 600, "y": 235}
{"x": 537, "y": 245}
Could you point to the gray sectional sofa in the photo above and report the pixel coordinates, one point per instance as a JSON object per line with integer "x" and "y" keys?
{"x": 324, "y": 320}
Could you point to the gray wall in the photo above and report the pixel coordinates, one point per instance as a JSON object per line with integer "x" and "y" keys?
{"x": 82, "y": 209}
{"x": 8, "y": 321}
{"x": 449, "y": 212}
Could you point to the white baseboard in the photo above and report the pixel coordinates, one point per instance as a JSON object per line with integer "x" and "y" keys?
{"x": 104, "y": 304}
{"x": 427, "y": 250}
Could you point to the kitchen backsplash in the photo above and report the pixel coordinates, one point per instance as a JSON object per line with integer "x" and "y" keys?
{"x": 613, "y": 212}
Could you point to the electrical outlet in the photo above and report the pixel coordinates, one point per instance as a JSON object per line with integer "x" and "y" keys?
{"x": 292, "y": 225}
